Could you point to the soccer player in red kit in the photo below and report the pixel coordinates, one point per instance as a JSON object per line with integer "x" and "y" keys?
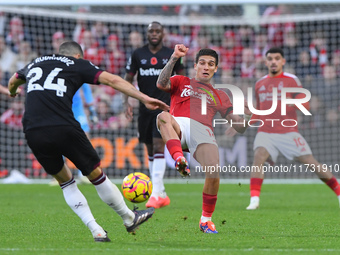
{"x": 273, "y": 137}
{"x": 186, "y": 127}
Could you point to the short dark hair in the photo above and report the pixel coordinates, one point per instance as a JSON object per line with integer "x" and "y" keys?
{"x": 275, "y": 50}
{"x": 207, "y": 52}
{"x": 70, "y": 48}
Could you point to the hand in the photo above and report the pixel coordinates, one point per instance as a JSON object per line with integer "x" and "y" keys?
{"x": 16, "y": 93}
{"x": 154, "y": 104}
{"x": 246, "y": 109}
{"x": 180, "y": 50}
{"x": 128, "y": 111}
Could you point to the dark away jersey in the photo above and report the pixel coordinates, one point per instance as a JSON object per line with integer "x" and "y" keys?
{"x": 51, "y": 82}
{"x": 149, "y": 66}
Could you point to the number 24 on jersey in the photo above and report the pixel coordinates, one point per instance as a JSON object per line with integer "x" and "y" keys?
{"x": 36, "y": 73}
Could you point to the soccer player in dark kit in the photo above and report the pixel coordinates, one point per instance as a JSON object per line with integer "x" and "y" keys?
{"x": 52, "y": 131}
{"x": 148, "y": 61}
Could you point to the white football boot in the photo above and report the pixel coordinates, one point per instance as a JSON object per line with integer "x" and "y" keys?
{"x": 254, "y": 203}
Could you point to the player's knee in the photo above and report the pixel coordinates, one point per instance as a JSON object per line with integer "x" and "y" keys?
{"x": 95, "y": 173}
{"x": 308, "y": 159}
{"x": 261, "y": 155}
{"x": 163, "y": 118}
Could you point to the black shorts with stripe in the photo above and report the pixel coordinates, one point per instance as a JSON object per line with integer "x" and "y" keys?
{"x": 50, "y": 144}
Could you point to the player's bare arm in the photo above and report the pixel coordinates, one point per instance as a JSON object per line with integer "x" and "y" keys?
{"x": 4, "y": 90}
{"x": 127, "y": 107}
{"x": 163, "y": 81}
{"x": 13, "y": 85}
{"x": 118, "y": 83}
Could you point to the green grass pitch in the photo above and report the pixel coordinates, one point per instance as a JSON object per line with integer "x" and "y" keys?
{"x": 292, "y": 219}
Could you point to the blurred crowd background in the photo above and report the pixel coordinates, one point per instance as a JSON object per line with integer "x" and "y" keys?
{"x": 108, "y": 35}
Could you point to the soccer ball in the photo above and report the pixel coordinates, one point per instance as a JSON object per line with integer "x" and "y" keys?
{"x": 137, "y": 187}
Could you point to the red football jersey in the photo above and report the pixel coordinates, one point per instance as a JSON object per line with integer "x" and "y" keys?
{"x": 264, "y": 96}
{"x": 186, "y": 100}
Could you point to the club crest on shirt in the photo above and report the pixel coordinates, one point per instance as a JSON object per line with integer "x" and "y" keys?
{"x": 189, "y": 92}
{"x": 280, "y": 86}
{"x": 165, "y": 61}
{"x": 262, "y": 88}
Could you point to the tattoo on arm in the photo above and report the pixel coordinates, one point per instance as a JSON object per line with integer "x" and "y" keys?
{"x": 164, "y": 76}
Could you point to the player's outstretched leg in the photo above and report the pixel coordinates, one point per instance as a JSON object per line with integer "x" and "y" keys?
{"x": 111, "y": 195}
{"x": 170, "y": 131}
{"x": 182, "y": 166}
{"x": 140, "y": 217}
{"x": 78, "y": 203}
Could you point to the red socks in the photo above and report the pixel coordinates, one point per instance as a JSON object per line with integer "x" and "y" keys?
{"x": 255, "y": 187}
{"x": 334, "y": 185}
{"x": 209, "y": 202}
{"x": 175, "y": 148}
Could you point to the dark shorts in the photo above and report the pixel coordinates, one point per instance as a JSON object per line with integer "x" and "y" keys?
{"x": 147, "y": 128}
{"x": 50, "y": 144}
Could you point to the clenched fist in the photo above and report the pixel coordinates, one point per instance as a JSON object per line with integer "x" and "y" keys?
{"x": 180, "y": 50}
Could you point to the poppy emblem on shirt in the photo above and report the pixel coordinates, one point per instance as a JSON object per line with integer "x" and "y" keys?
{"x": 153, "y": 61}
